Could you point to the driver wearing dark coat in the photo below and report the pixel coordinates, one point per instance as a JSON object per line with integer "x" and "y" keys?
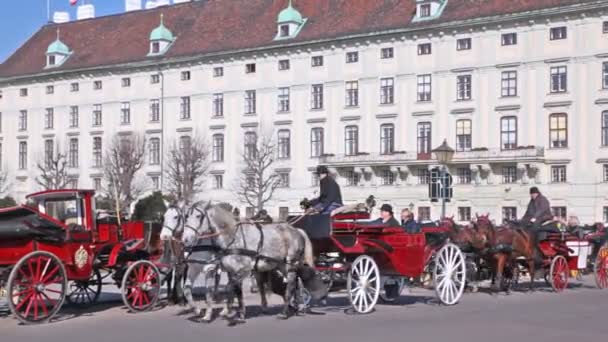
{"x": 330, "y": 196}
{"x": 539, "y": 209}
{"x": 387, "y": 218}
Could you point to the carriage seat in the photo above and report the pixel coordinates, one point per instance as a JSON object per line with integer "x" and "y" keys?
{"x": 350, "y": 209}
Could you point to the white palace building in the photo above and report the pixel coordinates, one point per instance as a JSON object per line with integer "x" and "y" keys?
{"x": 367, "y": 87}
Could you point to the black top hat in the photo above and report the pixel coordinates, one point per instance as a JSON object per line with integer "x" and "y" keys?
{"x": 386, "y": 207}
{"x": 322, "y": 170}
{"x": 534, "y": 190}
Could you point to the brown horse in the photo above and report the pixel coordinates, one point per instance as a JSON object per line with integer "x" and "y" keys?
{"x": 505, "y": 244}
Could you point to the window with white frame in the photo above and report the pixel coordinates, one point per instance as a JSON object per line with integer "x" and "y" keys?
{"x": 605, "y": 215}
{"x": 605, "y": 75}
{"x": 185, "y": 143}
{"x": 250, "y": 68}
{"x": 316, "y": 61}
{"x": 283, "y": 100}
{"x": 185, "y": 75}
{"x": 316, "y": 142}
{"x": 561, "y": 212}
{"x": 217, "y": 154}
{"x": 605, "y": 178}
{"x": 284, "y": 31}
{"x": 284, "y": 144}
{"x": 154, "y": 151}
{"x": 604, "y": 128}
{"x": 557, "y": 33}
{"x": 559, "y": 79}
{"x": 73, "y": 153}
{"x": 50, "y": 89}
{"x": 605, "y": 30}
{"x": 97, "y": 85}
{"x": 250, "y": 102}
{"x": 48, "y": 152}
{"x": 23, "y": 92}
{"x": 154, "y": 78}
{"x": 73, "y": 122}
{"x": 218, "y": 72}
{"x": 352, "y": 93}
{"x": 424, "y": 214}
{"x": 386, "y": 53}
{"x": 387, "y": 138}
{"x": 463, "y": 87}
{"x": 424, "y": 176}
{"x": 558, "y": 174}
{"x": 387, "y": 177}
{"x": 97, "y": 115}
{"x": 283, "y": 179}
{"x": 218, "y": 181}
{"x": 125, "y": 113}
{"x": 283, "y": 213}
{"x": 351, "y": 140}
{"x": 508, "y": 39}
{"x": 154, "y": 110}
{"x": 387, "y": 90}
{"x": 218, "y": 105}
{"x": 284, "y": 64}
{"x": 508, "y": 83}
{"x": 97, "y": 152}
{"x": 424, "y": 138}
{"x": 125, "y": 82}
{"x": 155, "y": 182}
{"x": 251, "y": 141}
{"x": 316, "y": 96}
{"x": 97, "y": 183}
{"x": 558, "y": 130}
{"x": 314, "y": 179}
{"x": 508, "y": 133}
{"x": 352, "y": 178}
{"x": 463, "y": 135}
{"x": 424, "y": 49}
{"x": 509, "y": 213}
{"x": 49, "y": 118}
{"x": 352, "y": 57}
{"x": 463, "y": 44}
{"x": 425, "y": 11}
{"x": 463, "y": 175}
{"x": 22, "y": 126}
{"x": 74, "y": 87}
{"x": 509, "y": 174}
{"x": 464, "y": 214}
{"x": 424, "y": 88}
{"x": 184, "y": 108}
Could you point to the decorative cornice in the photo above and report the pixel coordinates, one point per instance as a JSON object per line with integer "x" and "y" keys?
{"x": 554, "y": 104}
{"x": 217, "y": 127}
{"x": 184, "y": 129}
{"x": 217, "y": 172}
{"x": 73, "y": 134}
{"x": 508, "y": 65}
{"x": 21, "y": 137}
{"x": 557, "y": 60}
{"x": 386, "y": 116}
{"x": 154, "y": 131}
{"x": 602, "y": 101}
{"x": 249, "y": 124}
{"x": 96, "y": 132}
{"x": 283, "y": 122}
{"x": 424, "y": 113}
{"x": 48, "y": 135}
{"x": 462, "y": 111}
{"x": 507, "y": 108}
{"x": 557, "y": 161}
{"x": 316, "y": 120}
{"x": 125, "y": 133}
{"x": 351, "y": 118}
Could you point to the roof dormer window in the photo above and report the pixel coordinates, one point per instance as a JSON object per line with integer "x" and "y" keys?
{"x": 289, "y": 23}
{"x": 161, "y": 39}
{"x": 57, "y": 53}
{"x": 429, "y": 9}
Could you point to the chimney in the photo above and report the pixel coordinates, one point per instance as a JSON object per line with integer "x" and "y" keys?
{"x": 85, "y": 12}
{"x": 132, "y": 5}
{"x": 61, "y": 17}
{"x": 151, "y": 4}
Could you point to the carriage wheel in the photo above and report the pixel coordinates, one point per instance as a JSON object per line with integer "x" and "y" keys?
{"x": 600, "y": 268}
{"x": 391, "y": 288}
{"x": 37, "y": 287}
{"x": 450, "y": 274}
{"x": 85, "y": 292}
{"x": 558, "y": 273}
{"x": 363, "y": 284}
{"x": 141, "y": 286}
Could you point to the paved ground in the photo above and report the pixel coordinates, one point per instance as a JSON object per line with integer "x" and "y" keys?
{"x": 579, "y": 314}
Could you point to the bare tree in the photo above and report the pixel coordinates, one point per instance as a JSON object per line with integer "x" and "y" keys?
{"x": 186, "y": 166}
{"x": 53, "y": 169}
{"x": 258, "y": 182}
{"x": 123, "y": 159}
{"x": 5, "y": 181}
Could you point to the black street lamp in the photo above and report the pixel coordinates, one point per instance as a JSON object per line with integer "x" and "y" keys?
{"x": 444, "y": 154}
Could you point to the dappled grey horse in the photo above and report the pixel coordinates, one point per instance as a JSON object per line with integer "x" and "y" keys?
{"x": 201, "y": 261}
{"x": 249, "y": 247}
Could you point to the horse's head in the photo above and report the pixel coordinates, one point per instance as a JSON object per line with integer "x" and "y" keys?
{"x": 483, "y": 230}
{"x": 173, "y": 221}
{"x": 197, "y": 222}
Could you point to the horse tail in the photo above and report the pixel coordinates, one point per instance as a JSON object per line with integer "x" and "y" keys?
{"x": 308, "y": 254}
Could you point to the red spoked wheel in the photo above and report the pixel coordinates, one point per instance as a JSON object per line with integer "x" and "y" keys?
{"x": 141, "y": 286}
{"x": 600, "y": 269}
{"x": 37, "y": 287}
{"x": 559, "y": 273}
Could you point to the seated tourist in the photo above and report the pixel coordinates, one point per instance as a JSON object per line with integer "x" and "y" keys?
{"x": 408, "y": 222}
{"x": 386, "y": 217}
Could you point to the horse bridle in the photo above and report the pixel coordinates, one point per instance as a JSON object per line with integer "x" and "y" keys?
{"x": 181, "y": 219}
{"x": 214, "y": 232}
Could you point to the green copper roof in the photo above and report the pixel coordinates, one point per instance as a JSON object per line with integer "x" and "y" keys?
{"x": 58, "y": 47}
{"x": 161, "y": 32}
{"x": 290, "y": 14}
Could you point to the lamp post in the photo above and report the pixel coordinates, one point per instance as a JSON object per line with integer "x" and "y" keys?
{"x": 443, "y": 154}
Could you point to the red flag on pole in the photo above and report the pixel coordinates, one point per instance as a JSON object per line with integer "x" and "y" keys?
{"x": 73, "y": 2}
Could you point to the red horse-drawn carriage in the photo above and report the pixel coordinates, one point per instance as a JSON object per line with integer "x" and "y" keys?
{"x": 54, "y": 249}
{"x": 375, "y": 260}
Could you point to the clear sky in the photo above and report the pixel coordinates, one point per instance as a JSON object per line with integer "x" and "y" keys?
{"x": 20, "y": 19}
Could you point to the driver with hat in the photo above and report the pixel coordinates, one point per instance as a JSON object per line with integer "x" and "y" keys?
{"x": 330, "y": 196}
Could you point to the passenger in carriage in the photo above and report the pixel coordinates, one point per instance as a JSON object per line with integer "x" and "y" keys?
{"x": 408, "y": 222}
{"x": 387, "y": 217}
{"x": 330, "y": 196}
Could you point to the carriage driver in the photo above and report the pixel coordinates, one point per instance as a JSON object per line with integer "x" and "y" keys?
{"x": 330, "y": 196}
{"x": 538, "y": 212}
